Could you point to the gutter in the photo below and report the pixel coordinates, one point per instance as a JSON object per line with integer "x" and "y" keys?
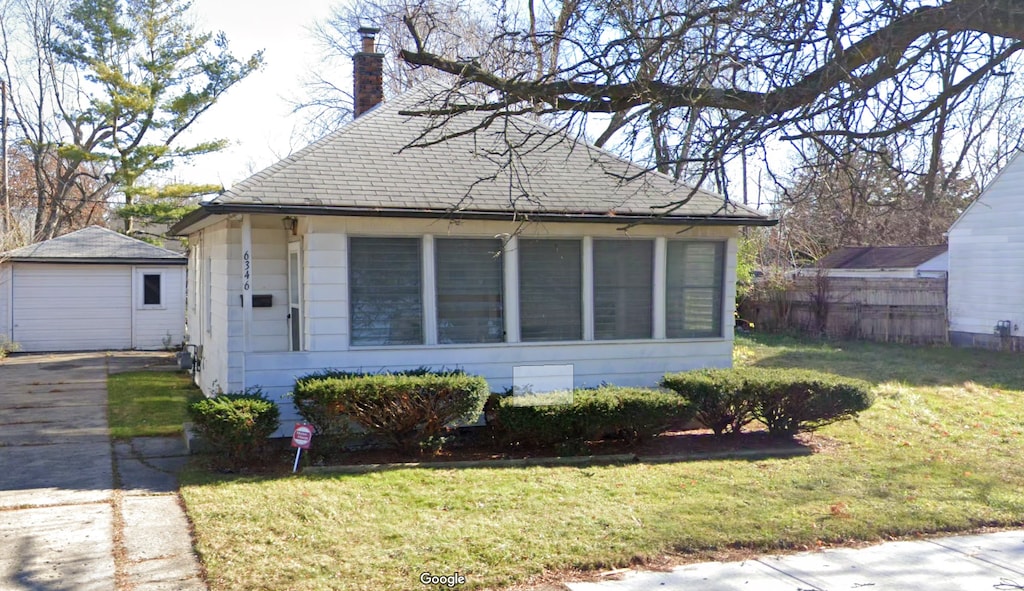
{"x": 350, "y": 211}
{"x": 97, "y": 260}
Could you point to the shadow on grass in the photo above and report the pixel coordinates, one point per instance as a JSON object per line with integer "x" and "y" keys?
{"x": 881, "y": 362}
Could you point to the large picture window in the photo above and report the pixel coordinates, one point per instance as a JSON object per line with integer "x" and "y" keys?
{"x": 469, "y": 284}
{"x": 623, "y": 289}
{"x": 385, "y": 291}
{"x": 550, "y": 290}
{"x": 694, "y": 285}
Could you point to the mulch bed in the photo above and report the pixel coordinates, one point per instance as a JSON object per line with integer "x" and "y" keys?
{"x": 471, "y": 446}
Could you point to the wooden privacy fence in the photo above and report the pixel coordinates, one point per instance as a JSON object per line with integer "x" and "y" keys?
{"x": 888, "y": 310}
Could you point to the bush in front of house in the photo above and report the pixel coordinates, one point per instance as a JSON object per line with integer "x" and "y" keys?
{"x": 236, "y": 425}
{"x": 406, "y": 408}
{"x": 786, "y": 401}
{"x": 717, "y": 396}
{"x": 629, "y": 413}
{"x": 789, "y": 401}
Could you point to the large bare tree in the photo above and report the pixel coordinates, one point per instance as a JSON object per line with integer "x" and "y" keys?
{"x": 730, "y": 76}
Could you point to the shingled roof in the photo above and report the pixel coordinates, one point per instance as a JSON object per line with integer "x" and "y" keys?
{"x": 94, "y": 245}
{"x": 880, "y": 257}
{"x": 389, "y": 163}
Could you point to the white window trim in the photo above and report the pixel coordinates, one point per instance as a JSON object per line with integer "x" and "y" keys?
{"x": 141, "y": 289}
{"x": 511, "y": 302}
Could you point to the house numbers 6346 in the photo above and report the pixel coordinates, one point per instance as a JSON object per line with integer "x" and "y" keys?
{"x": 246, "y": 271}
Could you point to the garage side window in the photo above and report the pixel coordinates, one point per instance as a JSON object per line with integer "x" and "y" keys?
{"x": 150, "y": 289}
{"x": 385, "y": 291}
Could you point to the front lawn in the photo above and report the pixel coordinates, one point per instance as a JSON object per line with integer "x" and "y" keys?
{"x": 940, "y": 451}
{"x": 148, "y": 403}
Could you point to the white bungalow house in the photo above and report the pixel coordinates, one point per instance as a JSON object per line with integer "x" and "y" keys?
{"x": 986, "y": 265}
{"x": 360, "y": 252}
{"x": 90, "y": 290}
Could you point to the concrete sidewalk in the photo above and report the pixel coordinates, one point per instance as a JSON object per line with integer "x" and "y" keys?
{"x": 977, "y": 562}
{"x": 78, "y": 512}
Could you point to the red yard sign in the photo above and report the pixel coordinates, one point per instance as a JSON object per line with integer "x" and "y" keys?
{"x": 302, "y": 436}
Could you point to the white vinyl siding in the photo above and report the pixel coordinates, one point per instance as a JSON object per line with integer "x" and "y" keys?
{"x": 694, "y": 289}
{"x": 623, "y": 289}
{"x": 160, "y": 326}
{"x": 385, "y": 290}
{"x": 550, "y": 290}
{"x": 469, "y": 287}
{"x": 5, "y": 301}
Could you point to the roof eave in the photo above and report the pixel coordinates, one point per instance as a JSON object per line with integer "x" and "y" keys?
{"x": 98, "y": 261}
{"x": 519, "y": 216}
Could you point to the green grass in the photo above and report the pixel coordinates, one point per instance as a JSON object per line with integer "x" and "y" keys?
{"x": 939, "y": 452}
{"x": 148, "y": 403}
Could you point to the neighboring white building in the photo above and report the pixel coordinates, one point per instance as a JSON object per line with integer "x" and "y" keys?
{"x": 986, "y": 265}
{"x": 882, "y": 262}
{"x": 90, "y": 290}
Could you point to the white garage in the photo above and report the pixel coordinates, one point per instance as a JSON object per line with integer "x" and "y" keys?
{"x": 90, "y": 290}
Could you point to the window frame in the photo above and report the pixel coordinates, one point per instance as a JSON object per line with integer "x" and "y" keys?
{"x": 581, "y": 292}
{"x": 496, "y": 251}
{"x": 423, "y": 325}
{"x": 141, "y": 274}
{"x": 650, "y": 290}
{"x": 719, "y": 291}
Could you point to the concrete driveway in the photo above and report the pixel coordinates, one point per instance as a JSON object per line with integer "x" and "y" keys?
{"x": 78, "y": 512}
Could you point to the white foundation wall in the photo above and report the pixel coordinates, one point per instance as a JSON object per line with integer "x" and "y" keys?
{"x": 636, "y": 363}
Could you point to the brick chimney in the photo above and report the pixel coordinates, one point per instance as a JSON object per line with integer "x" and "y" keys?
{"x": 368, "y": 73}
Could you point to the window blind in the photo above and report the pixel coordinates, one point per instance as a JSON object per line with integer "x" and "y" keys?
{"x": 623, "y": 289}
{"x": 469, "y": 286}
{"x": 385, "y": 291}
{"x": 550, "y": 290}
{"x": 694, "y": 285}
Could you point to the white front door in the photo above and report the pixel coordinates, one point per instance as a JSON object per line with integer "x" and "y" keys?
{"x": 294, "y": 297}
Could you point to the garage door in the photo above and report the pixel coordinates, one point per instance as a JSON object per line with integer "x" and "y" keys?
{"x": 72, "y": 307}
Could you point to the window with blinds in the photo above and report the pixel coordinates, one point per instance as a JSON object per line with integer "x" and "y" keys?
{"x": 550, "y": 290}
{"x": 385, "y": 291}
{"x": 469, "y": 285}
{"x": 623, "y": 289}
{"x": 694, "y": 286}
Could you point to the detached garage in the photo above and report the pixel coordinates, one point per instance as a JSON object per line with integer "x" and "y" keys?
{"x": 91, "y": 290}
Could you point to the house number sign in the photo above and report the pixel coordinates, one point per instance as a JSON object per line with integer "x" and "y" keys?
{"x": 246, "y": 272}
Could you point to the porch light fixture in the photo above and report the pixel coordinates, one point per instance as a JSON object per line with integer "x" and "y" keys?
{"x": 291, "y": 223}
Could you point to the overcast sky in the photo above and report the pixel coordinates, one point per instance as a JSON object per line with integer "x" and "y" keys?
{"x": 255, "y": 114}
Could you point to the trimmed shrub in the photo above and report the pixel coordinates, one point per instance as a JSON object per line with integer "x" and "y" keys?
{"x": 787, "y": 401}
{"x": 405, "y": 408}
{"x": 236, "y": 425}
{"x": 629, "y": 413}
{"x": 717, "y": 396}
